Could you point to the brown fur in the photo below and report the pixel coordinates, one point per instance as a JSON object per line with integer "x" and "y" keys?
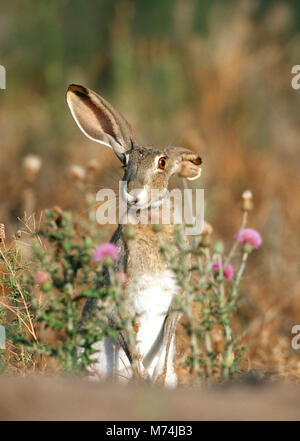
{"x": 142, "y": 173}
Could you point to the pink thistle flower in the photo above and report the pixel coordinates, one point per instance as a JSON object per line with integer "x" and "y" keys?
{"x": 250, "y": 236}
{"x": 41, "y": 277}
{"x": 106, "y": 250}
{"x": 228, "y": 271}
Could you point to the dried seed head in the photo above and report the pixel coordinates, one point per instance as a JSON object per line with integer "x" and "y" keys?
{"x": 2, "y": 232}
{"x": 58, "y": 215}
{"x": 58, "y": 210}
{"x": 205, "y": 239}
{"x": 90, "y": 199}
{"x": 93, "y": 166}
{"x": 31, "y": 166}
{"x": 218, "y": 340}
{"x": 77, "y": 172}
{"x": 136, "y": 325}
{"x": 247, "y": 200}
{"x": 18, "y": 234}
{"x": 247, "y": 194}
{"x": 207, "y": 229}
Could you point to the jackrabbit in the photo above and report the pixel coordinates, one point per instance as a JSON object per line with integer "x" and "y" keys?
{"x": 150, "y": 284}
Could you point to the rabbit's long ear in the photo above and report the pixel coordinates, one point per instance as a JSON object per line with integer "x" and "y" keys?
{"x": 98, "y": 120}
{"x": 186, "y": 163}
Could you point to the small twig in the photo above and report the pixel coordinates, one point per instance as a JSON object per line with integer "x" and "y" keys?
{"x": 234, "y": 247}
{"x": 19, "y": 317}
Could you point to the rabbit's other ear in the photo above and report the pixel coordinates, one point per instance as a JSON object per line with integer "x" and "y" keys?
{"x": 98, "y": 120}
{"x": 189, "y": 170}
{"x": 186, "y": 163}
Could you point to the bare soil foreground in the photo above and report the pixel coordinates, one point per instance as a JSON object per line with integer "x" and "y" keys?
{"x": 46, "y": 398}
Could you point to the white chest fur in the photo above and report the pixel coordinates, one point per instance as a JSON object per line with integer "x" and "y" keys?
{"x": 150, "y": 297}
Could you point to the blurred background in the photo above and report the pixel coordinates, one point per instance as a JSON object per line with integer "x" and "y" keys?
{"x": 212, "y": 76}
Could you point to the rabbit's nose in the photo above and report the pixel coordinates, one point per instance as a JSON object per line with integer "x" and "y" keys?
{"x": 138, "y": 196}
{"x": 133, "y": 199}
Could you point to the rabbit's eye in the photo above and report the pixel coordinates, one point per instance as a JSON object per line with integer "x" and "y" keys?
{"x": 162, "y": 163}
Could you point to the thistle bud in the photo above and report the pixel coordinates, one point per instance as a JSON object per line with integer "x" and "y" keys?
{"x": 247, "y": 248}
{"x": 129, "y": 232}
{"x": 108, "y": 262}
{"x": 157, "y": 228}
{"x": 46, "y": 287}
{"x": 219, "y": 248}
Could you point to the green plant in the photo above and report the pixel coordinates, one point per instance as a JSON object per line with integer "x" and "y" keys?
{"x": 209, "y": 279}
{"x": 49, "y": 298}
{"x": 44, "y": 297}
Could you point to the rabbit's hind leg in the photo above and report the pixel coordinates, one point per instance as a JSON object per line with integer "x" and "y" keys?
{"x": 171, "y": 379}
{"x": 110, "y": 361}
